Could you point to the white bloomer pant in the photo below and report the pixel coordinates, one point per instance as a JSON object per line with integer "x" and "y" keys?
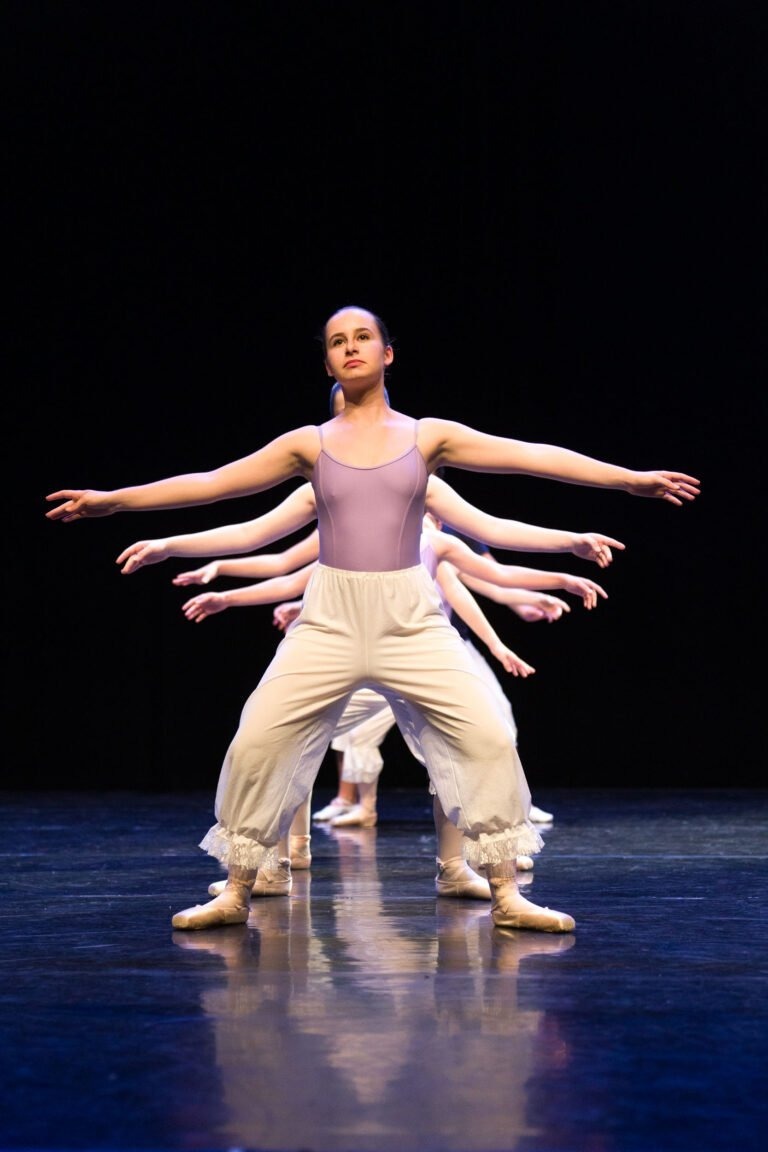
{"x": 361, "y": 729}
{"x": 384, "y": 631}
{"x": 368, "y": 717}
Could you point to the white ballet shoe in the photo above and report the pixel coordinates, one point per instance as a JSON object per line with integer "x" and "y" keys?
{"x": 335, "y": 808}
{"x": 539, "y": 816}
{"x": 356, "y": 816}
{"x": 301, "y": 857}
{"x": 511, "y": 910}
{"x": 269, "y": 881}
{"x": 231, "y": 906}
{"x": 524, "y": 863}
{"x": 455, "y": 878}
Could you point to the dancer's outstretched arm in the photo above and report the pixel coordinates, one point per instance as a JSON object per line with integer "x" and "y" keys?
{"x": 464, "y": 605}
{"x": 451, "y": 444}
{"x": 273, "y": 591}
{"x": 296, "y": 511}
{"x": 449, "y": 507}
{"x": 441, "y": 442}
{"x": 290, "y": 455}
{"x": 461, "y": 556}
{"x": 529, "y": 605}
{"x": 261, "y": 567}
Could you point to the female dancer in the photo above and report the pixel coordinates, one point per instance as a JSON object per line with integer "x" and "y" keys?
{"x": 368, "y": 716}
{"x": 371, "y": 618}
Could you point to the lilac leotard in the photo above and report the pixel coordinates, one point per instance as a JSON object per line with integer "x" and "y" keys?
{"x": 370, "y": 519}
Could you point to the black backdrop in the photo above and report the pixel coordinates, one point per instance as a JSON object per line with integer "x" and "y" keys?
{"x": 559, "y": 210}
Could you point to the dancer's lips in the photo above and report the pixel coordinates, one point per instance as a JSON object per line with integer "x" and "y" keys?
{"x": 353, "y": 363}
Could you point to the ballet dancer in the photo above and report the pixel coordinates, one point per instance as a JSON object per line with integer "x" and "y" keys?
{"x": 371, "y": 618}
{"x": 368, "y": 716}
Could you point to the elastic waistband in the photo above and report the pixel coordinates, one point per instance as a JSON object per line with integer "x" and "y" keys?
{"x": 351, "y": 574}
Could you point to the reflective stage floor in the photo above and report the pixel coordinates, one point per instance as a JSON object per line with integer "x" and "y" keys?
{"x": 362, "y": 1012}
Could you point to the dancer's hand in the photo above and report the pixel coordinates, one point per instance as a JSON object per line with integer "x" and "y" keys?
{"x": 510, "y": 660}
{"x": 588, "y": 590}
{"x": 594, "y": 546}
{"x": 541, "y": 607}
{"x": 142, "y": 554}
{"x": 674, "y": 487}
{"x": 285, "y": 614}
{"x": 202, "y": 575}
{"x": 81, "y": 503}
{"x": 207, "y": 604}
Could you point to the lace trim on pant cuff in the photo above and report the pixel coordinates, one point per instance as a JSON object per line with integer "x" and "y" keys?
{"x": 236, "y": 851}
{"x": 522, "y": 840}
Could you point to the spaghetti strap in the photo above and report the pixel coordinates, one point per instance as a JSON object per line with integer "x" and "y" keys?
{"x": 320, "y": 433}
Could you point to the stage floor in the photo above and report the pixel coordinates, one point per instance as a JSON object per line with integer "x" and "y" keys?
{"x": 364, "y": 1014}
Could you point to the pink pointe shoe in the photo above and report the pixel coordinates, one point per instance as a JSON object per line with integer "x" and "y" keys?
{"x": 230, "y": 906}
{"x": 455, "y": 878}
{"x": 269, "y": 881}
{"x": 511, "y": 910}
{"x": 301, "y": 857}
{"x": 355, "y": 816}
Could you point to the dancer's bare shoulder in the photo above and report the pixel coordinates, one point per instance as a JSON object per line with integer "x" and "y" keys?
{"x": 303, "y": 444}
{"x": 436, "y": 436}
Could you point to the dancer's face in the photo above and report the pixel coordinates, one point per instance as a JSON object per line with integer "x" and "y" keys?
{"x": 355, "y": 352}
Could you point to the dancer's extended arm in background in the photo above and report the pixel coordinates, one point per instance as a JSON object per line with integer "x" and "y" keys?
{"x": 296, "y": 511}
{"x": 463, "y": 604}
{"x": 530, "y": 606}
{"x": 447, "y": 548}
{"x": 261, "y": 567}
{"x": 449, "y": 507}
{"x": 461, "y": 556}
{"x": 272, "y": 591}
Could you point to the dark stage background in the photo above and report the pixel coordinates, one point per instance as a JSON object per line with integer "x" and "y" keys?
{"x": 558, "y": 208}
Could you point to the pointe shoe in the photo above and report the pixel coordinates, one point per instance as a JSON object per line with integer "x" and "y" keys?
{"x": 456, "y": 878}
{"x": 274, "y": 882}
{"x": 301, "y": 857}
{"x": 511, "y": 910}
{"x": 357, "y": 815}
{"x": 268, "y": 882}
{"x": 335, "y": 808}
{"x": 524, "y": 863}
{"x": 539, "y": 816}
{"x": 231, "y": 906}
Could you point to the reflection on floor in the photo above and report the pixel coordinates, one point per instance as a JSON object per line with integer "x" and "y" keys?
{"x": 362, "y": 1013}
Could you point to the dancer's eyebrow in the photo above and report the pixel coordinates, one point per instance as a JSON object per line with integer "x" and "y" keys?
{"x": 355, "y": 333}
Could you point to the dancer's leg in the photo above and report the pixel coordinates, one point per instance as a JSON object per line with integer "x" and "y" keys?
{"x": 511, "y": 910}
{"x": 454, "y": 876}
{"x": 363, "y": 814}
{"x": 469, "y": 750}
{"x": 292, "y": 853}
{"x": 346, "y": 794}
{"x": 270, "y": 880}
{"x": 360, "y": 732}
{"x": 271, "y": 764}
{"x": 300, "y": 836}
